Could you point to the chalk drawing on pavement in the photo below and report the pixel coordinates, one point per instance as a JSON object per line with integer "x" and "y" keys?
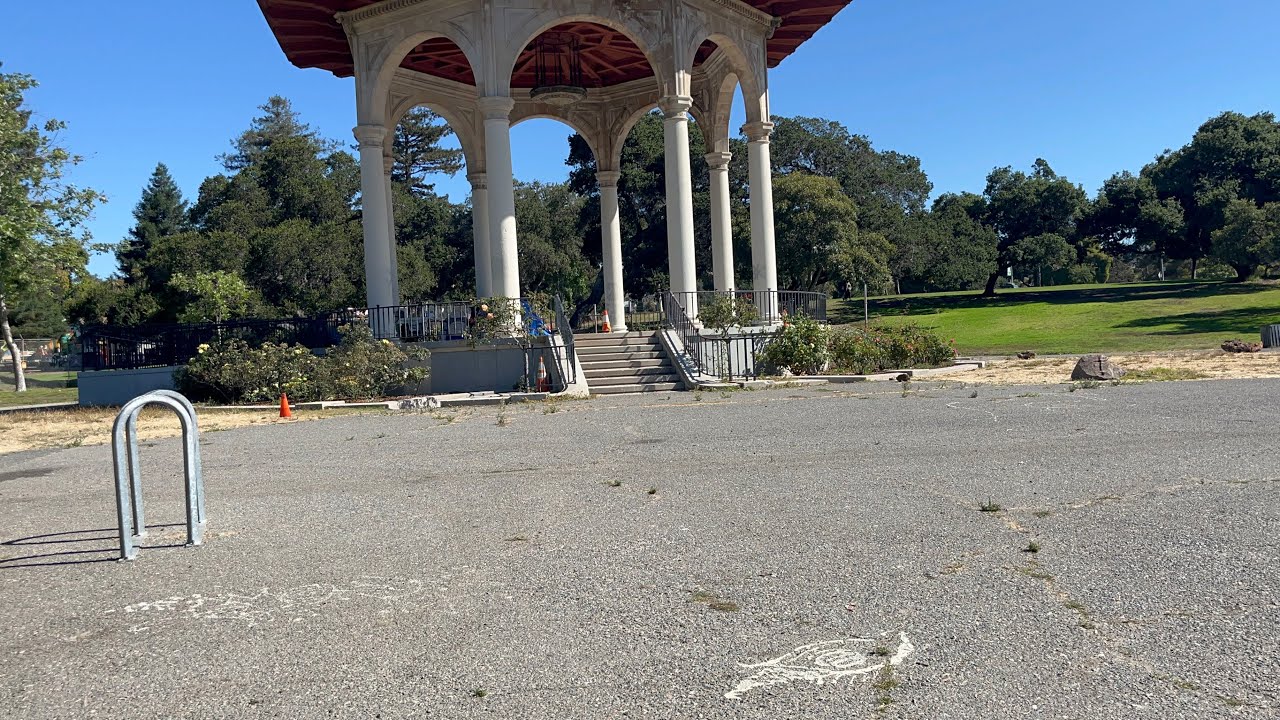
{"x": 821, "y": 662}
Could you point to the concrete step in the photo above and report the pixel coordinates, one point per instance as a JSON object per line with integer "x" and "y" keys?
{"x": 632, "y": 334}
{"x": 630, "y": 355}
{"x": 594, "y": 373}
{"x": 638, "y": 388}
{"x": 623, "y": 364}
{"x": 614, "y": 342}
{"x": 632, "y": 380}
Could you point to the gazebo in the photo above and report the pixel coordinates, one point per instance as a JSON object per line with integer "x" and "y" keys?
{"x": 486, "y": 65}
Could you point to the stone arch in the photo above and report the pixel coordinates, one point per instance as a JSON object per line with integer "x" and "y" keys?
{"x": 527, "y": 31}
{"x": 383, "y": 58}
{"x": 751, "y": 76}
{"x": 468, "y": 137}
{"x": 622, "y": 130}
{"x": 588, "y": 133}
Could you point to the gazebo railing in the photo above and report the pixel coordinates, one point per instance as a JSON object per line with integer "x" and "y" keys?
{"x": 772, "y": 306}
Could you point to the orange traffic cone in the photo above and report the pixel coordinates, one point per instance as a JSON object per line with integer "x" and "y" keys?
{"x": 285, "y": 412}
{"x": 607, "y": 327}
{"x": 544, "y": 382}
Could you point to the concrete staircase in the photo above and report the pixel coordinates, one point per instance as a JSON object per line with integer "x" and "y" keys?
{"x": 626, "y": 363}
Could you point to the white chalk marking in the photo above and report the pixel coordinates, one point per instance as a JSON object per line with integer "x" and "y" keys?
{"x": 818, "y": 663}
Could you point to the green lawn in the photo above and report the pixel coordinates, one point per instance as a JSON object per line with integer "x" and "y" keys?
{"x": 1083, "y": 318}
{"x": 42, "y": 387}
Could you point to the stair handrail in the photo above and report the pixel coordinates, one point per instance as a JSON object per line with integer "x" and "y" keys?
{"x": 566, "y": 336}
{"x": 678, "y": 320}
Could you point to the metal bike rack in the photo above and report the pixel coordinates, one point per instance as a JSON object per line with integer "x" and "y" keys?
{"x": 124, "y": 449}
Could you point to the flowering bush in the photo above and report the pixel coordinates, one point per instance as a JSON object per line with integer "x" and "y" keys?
{"x": 884, "y": 348}
{"x": 359, "y": 367}
{"x": 801, "y": 347}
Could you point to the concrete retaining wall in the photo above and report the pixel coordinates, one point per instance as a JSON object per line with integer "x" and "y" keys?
{"x": 117, "y": 387}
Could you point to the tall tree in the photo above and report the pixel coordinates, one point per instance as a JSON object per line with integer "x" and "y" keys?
{"x": 278, "y": 121}
{"x": 819, "y": 245}
{"x": 161, "y": 212}
{"x": 947, "y": 248}
{"x": 1249, "y": 237}
{"x": 417, "y": 152}
{"x": 1230, "y": 157}
{"x": 1021, "y": 206}
{"x": 886, "y": 186}
{"x": 41, "y": 215}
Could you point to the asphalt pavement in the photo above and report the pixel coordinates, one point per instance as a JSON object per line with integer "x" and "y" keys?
{"x": 860, "y": 551}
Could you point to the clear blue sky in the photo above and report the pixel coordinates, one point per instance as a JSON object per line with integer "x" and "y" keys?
{"x": 1093, "y": 86}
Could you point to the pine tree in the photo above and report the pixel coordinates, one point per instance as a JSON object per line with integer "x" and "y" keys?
{"x": 418, "y": 153}
{"x": 278, "y": 121}
{"x": 160, "y": 213}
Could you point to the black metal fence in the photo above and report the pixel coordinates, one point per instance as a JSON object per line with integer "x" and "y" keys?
{"x": 735, "y": 354}
{"x": 771, "y": 306}
{"x": 112, "y": 347}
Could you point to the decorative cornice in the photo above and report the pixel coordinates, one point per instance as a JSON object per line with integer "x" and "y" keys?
{"x": 351, "y": 17}
{"x": 748, "y": 12}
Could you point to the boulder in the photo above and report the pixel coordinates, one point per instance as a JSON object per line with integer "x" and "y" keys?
{"x": 1096, "y": 367}
{"x": 1240, "y": 346}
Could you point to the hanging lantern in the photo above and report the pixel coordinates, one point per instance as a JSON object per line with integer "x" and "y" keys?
{"x": 558, "y": 70}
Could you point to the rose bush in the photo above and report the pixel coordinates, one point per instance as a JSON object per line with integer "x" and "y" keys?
{"x": 359, "y": 367}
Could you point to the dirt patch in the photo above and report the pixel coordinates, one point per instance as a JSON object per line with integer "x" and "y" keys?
{"x": 1197, "y": 364}
{"x": 92, "y": 426}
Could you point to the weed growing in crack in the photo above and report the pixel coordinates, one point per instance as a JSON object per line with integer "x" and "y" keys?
{"x": 989, "y": 507}
{"x": 1032, "y": 547}
{"x": 614, "y": 483}
{"x": 479, "y": 692}
{"x": 503, "y": 419}
{"x": 885, "y": 683}
{"x": 653, "y": 491}
{"x": 1033, "y": 570}
{"x": 1042, "y": 513}
{"x": 713, "y": 601}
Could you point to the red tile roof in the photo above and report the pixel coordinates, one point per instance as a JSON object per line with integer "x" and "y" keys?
{"x": 311, "y": 38}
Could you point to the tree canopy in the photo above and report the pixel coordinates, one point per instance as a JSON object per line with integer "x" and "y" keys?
{"x": 43, "y": 242}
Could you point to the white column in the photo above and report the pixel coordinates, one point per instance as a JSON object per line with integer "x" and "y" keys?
{"x": 764, "y": 262}
{"x": 387, "y": 162}
{"x": 373, "y": 203}
{"x": 721, "y": 222}
{"x": 679, "y": 200}
{"x": 480, "y": 234}
{"x": 501, "y": 195}
{"x": 611, "y": 248}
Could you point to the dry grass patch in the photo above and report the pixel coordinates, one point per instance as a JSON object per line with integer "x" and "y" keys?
{"x": 92, "y": 426}
{"x": 1178, "y": 365}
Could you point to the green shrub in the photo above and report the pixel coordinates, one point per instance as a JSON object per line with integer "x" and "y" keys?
{"x": 231, "y": 371}
{"x": 856, "y": 353}
{"x": 880, "y": 348}
{"x": 361, "y": 367}
{"x": 357, "y": 368}
{"x": 800, "y": 347}
{"x": 724, "y": 310}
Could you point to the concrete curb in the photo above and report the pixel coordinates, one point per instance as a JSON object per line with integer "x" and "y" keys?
{"x": 38, "y": 408}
